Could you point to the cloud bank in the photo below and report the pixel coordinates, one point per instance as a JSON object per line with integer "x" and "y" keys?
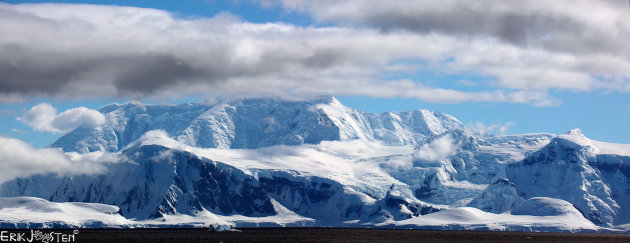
{"x": 525, "y": 49}
{"x": 19, "y": 160}
{"x": 563, "y": 25}
{"x": 562, "y": 44}
{"x": 44, "y": 118}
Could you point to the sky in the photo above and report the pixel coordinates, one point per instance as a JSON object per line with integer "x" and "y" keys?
{"x": 503, "y": 67}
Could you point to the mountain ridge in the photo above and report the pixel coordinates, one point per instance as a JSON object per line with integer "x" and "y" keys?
{"x": 247, "y": 123}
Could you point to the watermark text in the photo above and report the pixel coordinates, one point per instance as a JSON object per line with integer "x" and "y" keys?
{"x": 37, "y": 236}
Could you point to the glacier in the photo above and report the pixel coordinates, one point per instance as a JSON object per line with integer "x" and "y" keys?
{"x": 275, "y": 162}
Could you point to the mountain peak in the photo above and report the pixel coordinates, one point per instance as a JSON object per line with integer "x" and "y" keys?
{"x": 575, "y": 132}
{"x": 575, "y": 136}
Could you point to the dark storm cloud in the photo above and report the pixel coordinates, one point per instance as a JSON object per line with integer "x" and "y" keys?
{"x": 146, "y": 74}
{"x": 20, "y": 74}
{"x": 70, "y": 54}
{"x": 516, "y": 28}
{"x": 50, "y": 73}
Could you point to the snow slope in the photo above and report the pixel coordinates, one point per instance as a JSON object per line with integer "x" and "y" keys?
{"x": 31, "y": 212}
{"x": 475, "y": 219}
{"x": 37, "y": 212}
{"x": 598, "y": 147}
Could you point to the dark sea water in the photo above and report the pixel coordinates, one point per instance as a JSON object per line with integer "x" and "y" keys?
{"x": 321, "y": 235}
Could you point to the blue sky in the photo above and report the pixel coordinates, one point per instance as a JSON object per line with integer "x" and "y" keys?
{"x": 552, "y": 81}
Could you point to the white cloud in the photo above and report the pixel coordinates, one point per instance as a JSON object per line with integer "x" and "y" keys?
{"x": 43, "y": 117}
{"x": 410, "y": 89}
{"x": 498, "y": 129}
{"x": 536, "y": 44}
{"x": 64, "y": 50}
{"x": 19, "y": 159}
{"x": 567, "y": 25}
{"x": 437, "y": 150}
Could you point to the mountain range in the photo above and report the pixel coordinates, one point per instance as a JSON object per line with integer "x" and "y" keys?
{"x": 276, "y": 162}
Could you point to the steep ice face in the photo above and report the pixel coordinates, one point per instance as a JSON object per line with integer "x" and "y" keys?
{"x": 126, "y": 123}
{"x": 162, "y": 182}
{"x": 470, "y": 168}
{"x": 156, "y": 181}
{"x": 411, "y": 127}
{"x": 332, "y": 182}
{"x": 352, "y": 124}
{"x": 255, "y": 123}
{"x": 249, "y": 123}
{"x": 570, "y": 168}
{"x": 499, "y": 197}
{"x": 398, "y": 204}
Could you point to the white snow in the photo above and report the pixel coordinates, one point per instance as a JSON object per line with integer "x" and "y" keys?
{"x": 352, "y": 125}
{"x": 283, "y": 217}
{"x": 545, "y": 206}
{"x": 353, "y": 163}
{"x": 365, "y": 166}
{"x": 515, "y": 147}
{"x": 472, "y": 218}
{"x": 22, "y": 210}
{"x": 255, "y": 123}
{"x": 577, "y": 137}
{"x": 32, "y": 210}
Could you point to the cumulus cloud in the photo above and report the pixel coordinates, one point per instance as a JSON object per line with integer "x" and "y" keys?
{"x": 44, "y": 117}
{"x": 437, "y": 150}
{"x": 65, "y": 50}
{"x": 19, "y": 159}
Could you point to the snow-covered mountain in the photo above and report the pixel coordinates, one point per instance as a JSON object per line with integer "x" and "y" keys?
{"x": 591, "y": 175}
{"x": 318, "y": 163}
{"x": 255, "y": 123}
